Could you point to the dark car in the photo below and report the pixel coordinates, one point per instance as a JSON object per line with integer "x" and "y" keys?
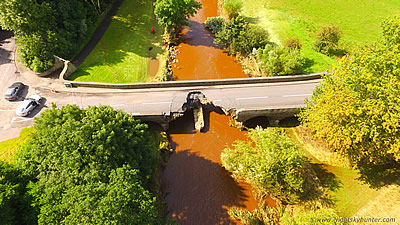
{"x": 13, "y": 91}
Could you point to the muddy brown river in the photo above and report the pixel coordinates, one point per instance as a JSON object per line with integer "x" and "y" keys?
{"x": 198, "y": 189}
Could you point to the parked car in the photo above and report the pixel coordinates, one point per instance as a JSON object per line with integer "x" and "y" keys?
{"x": 13, "y": 91}
{"x": 28, "y": 105}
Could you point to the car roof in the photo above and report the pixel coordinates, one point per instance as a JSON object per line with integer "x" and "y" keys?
{"x": 16, "y": 84}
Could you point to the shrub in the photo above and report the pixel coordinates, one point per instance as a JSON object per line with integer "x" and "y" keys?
{"x": 292, "y": 43}
{"x": 249, "y": 38}
{"x": 230, "y": 31}
{"x": 274, "y": 166}
{"x": 215, "y": 24}
{"x": 276, "y": 60}
{"x": 309, "y": 217}
{"x": 327, "y": 39}
{"x": 233, "y": 8}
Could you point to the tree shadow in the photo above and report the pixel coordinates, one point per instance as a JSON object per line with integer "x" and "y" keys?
{"x": 252, "y": 20}
{"x": 4, "y": 39}
{"x": 199, "y": 191}
{"x": 307, "y": 65}
{"x": 97, "y": 35}
{"x": 318, "y": 181}
{"x": 197, "y": 35}
{"x": 377, "y": 176}
{"x": 120, "y": 35}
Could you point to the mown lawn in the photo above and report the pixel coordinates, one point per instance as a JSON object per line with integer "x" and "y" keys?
{"x": 353, "y": 197}
{"x": 123, "y": 54}
{"x": 359, "y": 20}
{"x": 9, "y": 147}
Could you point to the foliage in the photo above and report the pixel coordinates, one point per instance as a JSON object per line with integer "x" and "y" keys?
{"x": 233, "y": 8}
{"x": 276, "y": 60}
{"x": 215, "y": 24}
{"x": 90, "y": 166}
{"x": 46, "y": 28}
{"x": 252, "y": 37}
{"x": 327, "y": 39}
{"x": 274, "y": 166}
{"x": 14, "y": 204}
{"x": 230, "y": 31}
{"x": 239, "y": 37}
{"x": 356, "y": 110}
{"x": 391, "y": 30}
{"x": 292, "y": 43}
{"x": 311, "y": 217}
{"x": 263, "y": 215}
{"x": 174, "y": 13}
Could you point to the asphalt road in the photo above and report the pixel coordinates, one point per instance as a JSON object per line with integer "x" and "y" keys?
{"x": 147, "y": 101}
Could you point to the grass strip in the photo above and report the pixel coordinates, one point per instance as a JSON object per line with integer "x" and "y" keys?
{"x": 124, "y": 51}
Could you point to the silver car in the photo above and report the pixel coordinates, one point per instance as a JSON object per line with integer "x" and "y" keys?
{"x": 13, "y": 91}
{"x": 28, "y": 105}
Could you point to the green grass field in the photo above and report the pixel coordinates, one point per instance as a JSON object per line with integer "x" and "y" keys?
{"x": 123, "y": 54}
{"x": 353, "y": 197}
{"x": 9, "y": 147}
{"x": 359, "y": 20}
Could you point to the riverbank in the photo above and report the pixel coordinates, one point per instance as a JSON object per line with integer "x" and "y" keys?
{"x": 128, "y": 51}
{"x": 285, "y": 19}
{"x": 353, "y": 197}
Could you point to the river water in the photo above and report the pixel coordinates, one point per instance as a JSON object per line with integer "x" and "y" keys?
{"x": 198, "y": 189}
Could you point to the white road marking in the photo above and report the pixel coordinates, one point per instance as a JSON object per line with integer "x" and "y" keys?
{"x": 218, "y": 100}
{"x": 20, "y": 119}
{"x": 6, "y": 110}
{"x": 299, "y": 95}
{"x": 248, "y": 98}
{"x": 155, "y": 103}
{"x": 116, "y": 105}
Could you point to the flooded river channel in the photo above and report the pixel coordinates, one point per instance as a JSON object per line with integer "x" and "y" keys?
{"x": 198, "y": 189}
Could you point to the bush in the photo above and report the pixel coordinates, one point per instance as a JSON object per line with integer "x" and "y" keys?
{"x": 274, "y": 166}
{"x": 292, "y": 43}
{"x": 249, "y": 38}
{"x": 230, "y": 31}
{"x": 233, "y": 8}
{"x": 215, "y": 24}
{"x": 276, "y": 60}
{"x": 327, "y": 39}
{"x": 309, "y": 217}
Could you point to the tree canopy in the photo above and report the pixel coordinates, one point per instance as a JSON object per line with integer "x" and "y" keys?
{"x": 90, "y": 166}
{"x": 50, "y": 27}
{"x": 174, "y": 13}
{"x": 274, "y": 166}
{"x": 356, "y": 109}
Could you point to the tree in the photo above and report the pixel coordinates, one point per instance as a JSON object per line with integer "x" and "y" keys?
{"x": 327, "y": 39}
{"x": 233, "y": 8}
{"x": 356, "y": 109}
{"x": 46, "y": 28}
{"x": 174, "y": 13}
{"x": 274, "y": 167}
{"x": 81, "y": 160}
{"x": 14, "y": 203}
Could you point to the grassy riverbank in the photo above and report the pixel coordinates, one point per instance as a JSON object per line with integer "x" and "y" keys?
{"x": 287, "y": 18}
{"x": 353, "y": 197}
{"x": 9, "y": 147}
{"x": 128, "y": 51}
